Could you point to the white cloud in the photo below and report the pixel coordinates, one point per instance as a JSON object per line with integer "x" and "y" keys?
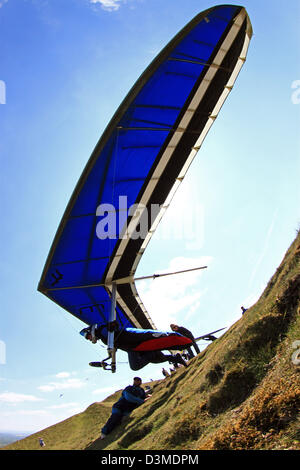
{"x": 66, "y": 384}
{"x": 32, "y": 412}
{"x": 11, "y": 397}
{"x": 103, "y": 390}
{"x": 108, "y": 5}
{"x": 63, "y": 406}
{"x": 166, "y": 297}
{"x": 63, "y": 375}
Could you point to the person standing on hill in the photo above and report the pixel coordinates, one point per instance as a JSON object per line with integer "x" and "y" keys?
{"x": 132, "y": 397}
{"x": 243, "y": 310}
{"x": 41, "y": 441}
{"x": 188, "y": 334}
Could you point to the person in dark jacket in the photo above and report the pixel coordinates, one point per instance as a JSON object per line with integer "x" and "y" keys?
{"x": 188, "y": 334}
{"x": 132, "y": 397}
{"x": 41, "y": 441}
{"x": 136, "y": 342}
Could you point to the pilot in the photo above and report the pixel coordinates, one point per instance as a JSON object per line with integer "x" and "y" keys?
{"x": 134, "y": 341}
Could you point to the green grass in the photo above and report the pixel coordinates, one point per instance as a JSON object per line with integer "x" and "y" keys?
{"x": 242, "y": 392}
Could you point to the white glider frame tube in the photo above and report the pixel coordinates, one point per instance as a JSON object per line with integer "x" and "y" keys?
{"x": 111, "y": 334}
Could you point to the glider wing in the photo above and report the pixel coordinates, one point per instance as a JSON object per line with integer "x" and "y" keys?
{"x": 138, "y": 164}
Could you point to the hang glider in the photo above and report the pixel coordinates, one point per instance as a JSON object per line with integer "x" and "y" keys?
{"x": 138, "y": 164}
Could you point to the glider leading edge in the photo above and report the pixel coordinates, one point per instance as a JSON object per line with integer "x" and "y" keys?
{"x": 137, "y": 166}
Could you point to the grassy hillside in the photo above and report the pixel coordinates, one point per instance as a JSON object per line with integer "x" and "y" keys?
{"x": 241, "y": 392}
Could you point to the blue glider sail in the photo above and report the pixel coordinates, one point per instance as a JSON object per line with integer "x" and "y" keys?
{"x": 137, "y": 166}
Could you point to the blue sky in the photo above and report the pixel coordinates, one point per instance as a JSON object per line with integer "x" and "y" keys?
{"x": 65, "y": 66}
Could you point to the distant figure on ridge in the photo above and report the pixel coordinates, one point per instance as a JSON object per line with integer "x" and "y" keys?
{"x": 132, "y": 397}
{"x": 243, "y": 310}
{"x": 188, "y": 334}
{"x": 41, "y": 441}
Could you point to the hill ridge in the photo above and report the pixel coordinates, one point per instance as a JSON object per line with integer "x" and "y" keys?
{"x": 241, "y": 392}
